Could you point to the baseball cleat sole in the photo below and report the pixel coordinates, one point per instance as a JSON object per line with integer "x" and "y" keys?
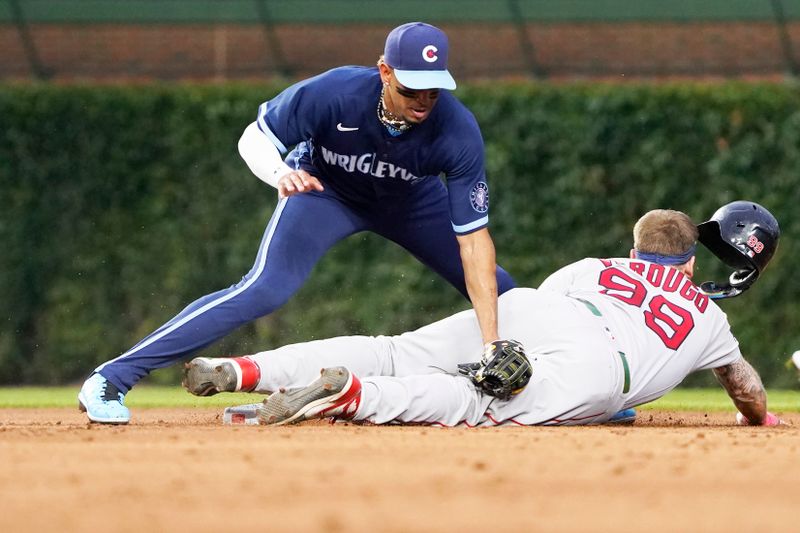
{"x": 100, "y": 419}
{"x": 337, "y": 392}
{"x": 206, "y": 376}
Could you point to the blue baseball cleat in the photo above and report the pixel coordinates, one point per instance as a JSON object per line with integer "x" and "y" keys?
{"x": 102, "y": 401}
{"x": 626, "y": 416}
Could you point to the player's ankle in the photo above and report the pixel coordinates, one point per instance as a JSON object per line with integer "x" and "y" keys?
{"x": 250, "y": 372}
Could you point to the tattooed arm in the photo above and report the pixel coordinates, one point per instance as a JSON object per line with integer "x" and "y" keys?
{"x": 745, "y": 389}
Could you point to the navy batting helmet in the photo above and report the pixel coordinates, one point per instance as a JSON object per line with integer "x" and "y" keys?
{"x": 744, "y": 235}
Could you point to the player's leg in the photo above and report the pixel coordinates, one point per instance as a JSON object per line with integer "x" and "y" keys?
{"x": 438, "y": 399}
{"x": 290, "y": 366}
{"x": 427, "y": 232}
{"x": 438, "y": 347}
{"x": 295, "y": 239}
{"x": 435, "y": 348}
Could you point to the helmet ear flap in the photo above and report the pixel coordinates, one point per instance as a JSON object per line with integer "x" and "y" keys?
{"x": 742, "y": 279}
{"x": 739, "y": 281}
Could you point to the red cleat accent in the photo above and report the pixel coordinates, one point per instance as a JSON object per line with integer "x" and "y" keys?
{"x": 346, "y": 406}
{"x": 251, "y": 373}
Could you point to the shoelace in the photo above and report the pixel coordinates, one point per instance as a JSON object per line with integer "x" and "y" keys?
{"x": 110, "y": 392}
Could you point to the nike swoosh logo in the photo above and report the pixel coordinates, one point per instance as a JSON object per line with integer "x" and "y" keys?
{"x": 344, "y": 128}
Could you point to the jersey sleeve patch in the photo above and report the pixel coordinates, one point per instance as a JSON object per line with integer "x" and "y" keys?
{"x": 479, "y": 197}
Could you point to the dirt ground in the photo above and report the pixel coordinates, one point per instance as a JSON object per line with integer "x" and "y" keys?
{"x": 182, "y": 470}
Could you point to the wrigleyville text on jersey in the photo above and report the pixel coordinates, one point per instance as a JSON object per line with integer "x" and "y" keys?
{"x": 367, "y": 164}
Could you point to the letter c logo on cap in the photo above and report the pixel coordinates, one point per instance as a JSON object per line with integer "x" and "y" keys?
{"x": 429, "y": 53}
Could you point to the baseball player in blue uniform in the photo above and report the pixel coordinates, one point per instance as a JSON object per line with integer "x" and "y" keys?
{"x": 370, "y": 145}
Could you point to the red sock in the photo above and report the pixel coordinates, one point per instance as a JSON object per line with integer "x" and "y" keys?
{"x": 251, "y": 373}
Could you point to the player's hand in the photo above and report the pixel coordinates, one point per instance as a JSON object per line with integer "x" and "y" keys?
{"x": 769, "y": 420}
{"x": 504, "y": 369}
{"x": 296, "y": 182}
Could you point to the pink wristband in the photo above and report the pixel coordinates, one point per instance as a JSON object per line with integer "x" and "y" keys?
{"x": 771, "y": 420}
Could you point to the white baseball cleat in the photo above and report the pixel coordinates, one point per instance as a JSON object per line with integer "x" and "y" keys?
{"x": 102, "y": 401}
{"x": 336, "y": 393}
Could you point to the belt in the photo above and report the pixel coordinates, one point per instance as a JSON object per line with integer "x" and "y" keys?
{"x": 626, "y": 386}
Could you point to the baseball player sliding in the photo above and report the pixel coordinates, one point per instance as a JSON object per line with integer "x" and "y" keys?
{"x": 600, "y": 335}
{"x": 370, "y": 145}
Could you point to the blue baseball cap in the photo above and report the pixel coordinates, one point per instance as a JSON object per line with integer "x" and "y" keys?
{"x": 418, "y": 54}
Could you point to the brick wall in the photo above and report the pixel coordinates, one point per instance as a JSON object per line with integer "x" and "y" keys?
{"x": 118, "y": 52}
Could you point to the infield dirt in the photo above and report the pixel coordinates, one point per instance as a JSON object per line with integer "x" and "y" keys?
{"x": 181, "y": 470}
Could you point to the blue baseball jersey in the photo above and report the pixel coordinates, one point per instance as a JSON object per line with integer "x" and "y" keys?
{"x": 332, "y": 121}
{"x": 389, "y": 185}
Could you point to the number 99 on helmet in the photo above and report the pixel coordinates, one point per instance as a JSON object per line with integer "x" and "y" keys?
{"x": 743, "y": 235}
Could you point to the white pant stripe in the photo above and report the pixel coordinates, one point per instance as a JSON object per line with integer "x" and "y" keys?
{"x": 262, "y": 260}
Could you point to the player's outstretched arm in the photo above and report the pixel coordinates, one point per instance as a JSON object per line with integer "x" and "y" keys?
{"x": 480, "y": 274}
{"x": 745, "y": 388}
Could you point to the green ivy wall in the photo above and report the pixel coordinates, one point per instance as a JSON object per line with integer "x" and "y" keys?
{"x": 120, "y": 205}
